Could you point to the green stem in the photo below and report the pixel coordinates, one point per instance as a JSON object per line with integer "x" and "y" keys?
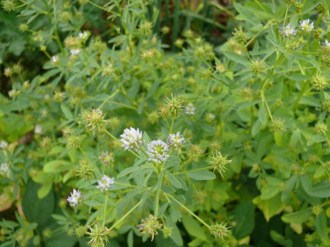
{"x": 124, "y": 216}
{"x": 188, "y": 210}
{"x": 105, "y": 208}
{"x": 159, "y": 184}
{"x": 328, "y": 140}
{"x": 194, "y": 170}
{"x": 56, "y": 36}
{"x": 109, "y": 98}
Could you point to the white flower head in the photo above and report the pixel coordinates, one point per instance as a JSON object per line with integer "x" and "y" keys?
{"x": 157, "y": 151}
{"x": 306, "y": 25}
{"x": 175, "y": 140}
{"x": 83, "y": 35}
{"x": 74, "y": 198}
{"x": 54, "y": 59}
{"x": 4, "y": 169}
{"x": 3, "y": 144}
{"x": 38, "y": 129}
{"x": 289, "y": 30}
{"x": 131, "y": 139}
{"x": 105, "y": 183}
{"x": 74, "y": 52}
{"x": 327, "y": 43}
{"x": 190, "y": 109}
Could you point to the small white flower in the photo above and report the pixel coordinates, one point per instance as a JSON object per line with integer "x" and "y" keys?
{"x": 306, "y": 25}
{"x": 74, "y": 198}
{"x": 327, "y": 43}
{"x": 74, "y": 52}
{"x": 3, "y": 144}
{"x": 157, "y": 151}
{"x": 83, "y": 35}
{"x": 131, "y": 139}
{"x": 175, "y": 140}
{"x": 190, "y": 109}
{"x": 289, "y": 30}
{"x": 4, "y": 169}
{"x": 38, "y": 129}
{"x": 54, "y": 59}
{"x": 105, "y": 183}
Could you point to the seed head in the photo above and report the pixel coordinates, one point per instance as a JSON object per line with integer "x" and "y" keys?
{"x": 195, "y": 152}
{"x": 219, "y": 162}
{"x": 220, "y": 231}
{"x": 165, "y": 30}
{"x": 153, "y": 117}
{"x": 85, "y": 170}
{"x": 317, "y": 209}
{"x": 326, "y": 105}
{"x": 8, "y": 5}
{"x": 240, "y": 35}
{"x": 94, "y": 120}
{"x": 278, "y": 125}
{"x": 319, "y": 82}
{"x": 145, "y": 28}
{"x": 157, "y": 151}
{"x": 23, "y": 27}
{"x": 98, "y": 235}
{"x": 106, "y": 158}
{"x": 321, "y": 128}
{"x": 131, "y": 139}
{"x": 258, "y": 66}
{"x": 149, "y": 226}
{"x": 173, "y": 106}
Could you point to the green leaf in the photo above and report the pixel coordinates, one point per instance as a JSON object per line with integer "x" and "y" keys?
{"x": 35, "y": 209}
{"x": 44, "y": 190}
{"x": 244, "y": 215}
{"x": 66, "y": 111}
{"x": 321, "y": 190}
{"x": 298, "y": 217}
{"x": 57, "y": 166}
{"x": 173, "y": 180}
{"x": 269, "y": 207}
{"x": 237, "y": 58}
{"x": 321, "y": 228}
{"x": 201, "y": 175}
{"x": 193, "y": 228}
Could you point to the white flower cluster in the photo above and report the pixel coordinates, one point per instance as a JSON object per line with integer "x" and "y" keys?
{"x": 74, "y": 198}
{"x": 157, "y": 151}
{"x": 105, "y": 183}
{"x": 38, "y": 129}
{"x": 175, "y": 140}
{"x": 4, "y": 169}
{"x": 327, "y": 43}
{"x": 131, "y": 139}
{"x": 54, "y": 59}
{"x": 306, "y": 25}
{"x": 190, "y": 109}
{"x": 74, "y": 52}
{"x": 3, "y": 144}
{"x": 289, "y": 30}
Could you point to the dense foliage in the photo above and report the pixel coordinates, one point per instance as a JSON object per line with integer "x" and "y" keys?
{"x": 164, "y": 123}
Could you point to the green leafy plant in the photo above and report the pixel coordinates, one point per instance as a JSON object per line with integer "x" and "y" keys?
{"x": 111, "y": 139}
